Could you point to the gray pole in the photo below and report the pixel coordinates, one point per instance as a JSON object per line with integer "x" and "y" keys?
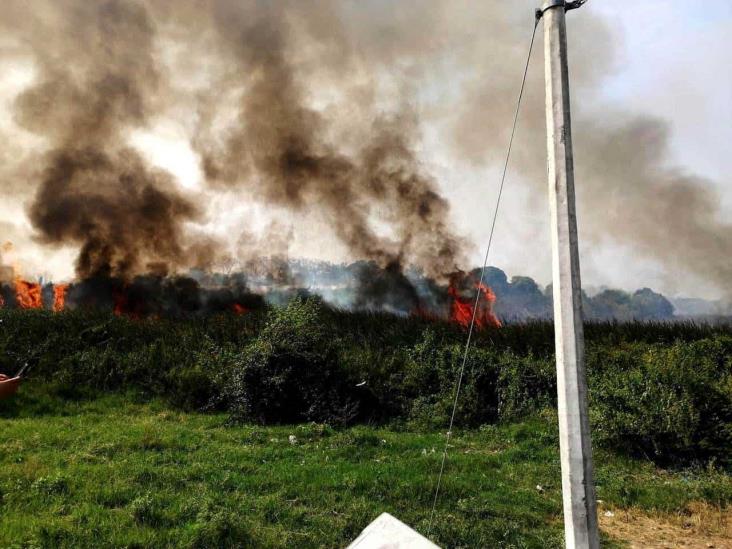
{"x": 578, "y": 490}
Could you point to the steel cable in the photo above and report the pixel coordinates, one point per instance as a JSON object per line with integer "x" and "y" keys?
{"x": 482, "y": 276}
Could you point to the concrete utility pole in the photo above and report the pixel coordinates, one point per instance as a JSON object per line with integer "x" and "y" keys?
{"x": 578, "y": 490}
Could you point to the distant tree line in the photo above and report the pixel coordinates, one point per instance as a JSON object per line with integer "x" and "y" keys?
{"x": 519, "y": 299}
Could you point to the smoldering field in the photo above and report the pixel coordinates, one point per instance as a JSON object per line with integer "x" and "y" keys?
{"x": 309, "y": 122}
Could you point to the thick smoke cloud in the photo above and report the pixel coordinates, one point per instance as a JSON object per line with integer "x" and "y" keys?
{"x": 281, "y": 144}
{"x": 118, "y": 210}
{"x": 96, "y": 79}
{"x": 634, "y": 197}
{"x": 319, "y": 106}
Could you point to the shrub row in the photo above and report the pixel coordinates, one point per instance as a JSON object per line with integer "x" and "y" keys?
{"x": 664, "y": 391}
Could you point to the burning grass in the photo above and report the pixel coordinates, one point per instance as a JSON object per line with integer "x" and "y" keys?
{"x": 28, "y": 294}
{"x": 464, "y": 300}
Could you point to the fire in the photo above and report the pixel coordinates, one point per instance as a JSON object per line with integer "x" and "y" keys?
{"x": 461, "y": 309}
{"x": 131, "y": 304}
{"x": 121, "y": 302}
{"x": 239, "y": 309}
{"x": 59, "y": 297}
{"x": 28, "y": 294}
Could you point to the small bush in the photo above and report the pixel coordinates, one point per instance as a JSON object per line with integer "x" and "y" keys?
{"x": 526, "y": 384}
{"x": 196, "y": 384}
{"x": 219, "y": 528}
{"x": 314, "y": 431}
{"x": 291, "y": 373}
{"x": 496, "y": 385}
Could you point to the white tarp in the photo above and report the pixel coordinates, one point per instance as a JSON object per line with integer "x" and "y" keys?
{"x": 386, "y": 532}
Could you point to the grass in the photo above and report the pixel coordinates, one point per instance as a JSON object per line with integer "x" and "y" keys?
{"x": 106, "y": 445}
{"x": 120, "y": 471}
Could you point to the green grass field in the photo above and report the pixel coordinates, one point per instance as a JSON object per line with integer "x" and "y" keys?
{"x": 120, "y": 471}
{"x": 175, "y": 432}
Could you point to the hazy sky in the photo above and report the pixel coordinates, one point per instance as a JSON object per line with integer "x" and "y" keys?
{"x": 671, "y": 60}
{"x": 674, "y": 63}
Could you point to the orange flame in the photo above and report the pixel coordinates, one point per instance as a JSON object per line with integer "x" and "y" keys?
{"x": 59, "y": 297}
{"x": 125, "y": 304}
{"x": 28, "y": 294}
{"x": 461, "y": 310}
{"x": 121, "y": 303}
{"x": 239, "y": 309}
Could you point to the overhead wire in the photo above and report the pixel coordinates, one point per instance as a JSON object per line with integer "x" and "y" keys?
{"x": 478, "y": 292}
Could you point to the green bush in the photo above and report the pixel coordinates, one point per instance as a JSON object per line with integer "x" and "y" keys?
{"x": 429, "y": 382}
{"x": 659, "y": 389}
{"x": 145, "y": 510}
{"x": 669, "y": 403}
{"x": 197, "y": 382}
{"x": 219, "y": 528}
{"x": 496, "y": 384}
{"x": 291, "y": 373}
{"x": 52, "y": 485}
{"x": 526, "y": 384}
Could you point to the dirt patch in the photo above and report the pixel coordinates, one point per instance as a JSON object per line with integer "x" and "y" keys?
{"x": 699, "y": 525}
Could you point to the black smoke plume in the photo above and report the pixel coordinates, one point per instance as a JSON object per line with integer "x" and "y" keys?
{"x": 97, "y": 80}
{"x": 316, "y": 106}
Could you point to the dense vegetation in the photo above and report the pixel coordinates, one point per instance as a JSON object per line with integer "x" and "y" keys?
{"x": 660, "y": 390}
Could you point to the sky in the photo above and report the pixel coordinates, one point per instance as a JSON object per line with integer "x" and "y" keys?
{"x": 674, "y": 63}
{"x": 671, "y": 60}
